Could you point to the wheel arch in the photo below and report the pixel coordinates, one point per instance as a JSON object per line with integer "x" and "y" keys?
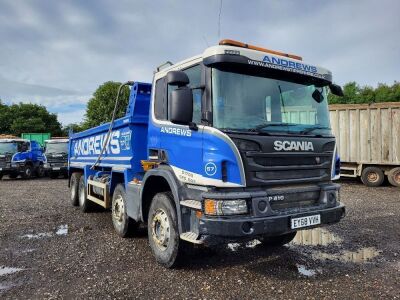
{"x": 157, "y": 181}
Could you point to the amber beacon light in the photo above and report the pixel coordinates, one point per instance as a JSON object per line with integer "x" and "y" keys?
{"x": 234, "y": 43}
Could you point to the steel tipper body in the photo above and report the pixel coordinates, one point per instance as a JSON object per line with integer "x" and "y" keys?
{"x": 20, "y": 157}
{"x": 234, "y": 144}
{"x": 56, "y": 157}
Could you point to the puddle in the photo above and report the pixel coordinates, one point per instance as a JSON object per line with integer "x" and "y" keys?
{"x": 316, "y": 237}
{"x": 8, "y": 270}
{"x": 40, "y": 235}
{"x": 252, "y": 244}
{"x": 233, "y": 246}
{"x": 305, "y": 272}
{"x": 6, "y": 286}
{"x": 359, "y": 256}
{"x": 62, "y": 230}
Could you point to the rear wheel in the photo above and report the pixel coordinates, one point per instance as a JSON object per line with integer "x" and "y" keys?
{"x": 27, "y": 172}
{"x": 74, "y": 188}
{"x": 394, "y": 177}
{"x": 280, "y": 240}
{"x": 123, "y": 224}
{"x": 372, "y": 176}
{"x": 84, "y": 202}
{"x": 162, "y": 227}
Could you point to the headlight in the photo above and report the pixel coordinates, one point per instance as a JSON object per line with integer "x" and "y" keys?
{"x": 225, "y": 207}
{"x": 46, "y": 165}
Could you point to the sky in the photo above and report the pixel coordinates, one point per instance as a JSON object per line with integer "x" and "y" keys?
{"x": 56, "y": 53}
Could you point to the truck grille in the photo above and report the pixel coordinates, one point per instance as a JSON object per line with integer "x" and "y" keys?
{"x": 270, "y": 167}
{"x": 296, "y": 200}
{"x": 3, "y": 162}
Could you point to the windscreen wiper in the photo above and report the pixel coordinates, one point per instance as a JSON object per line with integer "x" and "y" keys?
{"x": 265, "y": 125}
{"x": 311, "y": 129}
{"x": 245, "y": 131}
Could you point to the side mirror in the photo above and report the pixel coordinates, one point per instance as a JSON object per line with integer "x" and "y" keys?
{"x": 317, "y": 96}
{"x": 181, "y": 106}
{"x": 336, "y": 90}
{"x": 178, "y": 78}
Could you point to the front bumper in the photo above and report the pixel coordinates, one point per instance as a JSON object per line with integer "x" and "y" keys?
{"x": 56, "y": 169}
{"x": 279, "y": 206}
{"x": 246, "y": 227}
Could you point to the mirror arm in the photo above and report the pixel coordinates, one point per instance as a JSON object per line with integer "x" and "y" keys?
{"x": 193, "y": 126}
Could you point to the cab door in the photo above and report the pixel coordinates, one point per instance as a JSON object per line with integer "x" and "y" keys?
{"x": 183, "y": 146}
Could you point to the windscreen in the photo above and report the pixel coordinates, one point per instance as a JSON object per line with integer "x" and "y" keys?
{"x": 246, "y": 102}
{"x": 60, "y": 148}
{"x": 8, "y": 148}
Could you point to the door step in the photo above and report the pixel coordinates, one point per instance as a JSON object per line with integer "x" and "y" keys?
{"x": 191, "y": 237}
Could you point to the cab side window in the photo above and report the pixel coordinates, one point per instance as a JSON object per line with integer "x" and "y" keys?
{"x": 160, "y": 100}
{"x": 194, "y": 74}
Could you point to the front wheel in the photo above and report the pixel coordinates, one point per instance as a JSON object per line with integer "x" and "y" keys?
{"x": 40, "y": 172}
{"x": 1, "y": 176}
{"x": 27, "y": 172}
{"x": 123, "y": 224}
{"x": 162, "y": 227}
{"x": 277, "y": 241}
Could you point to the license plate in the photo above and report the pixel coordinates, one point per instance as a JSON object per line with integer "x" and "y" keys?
{"x": 306, "y": 221}
{"x": 56, "y": 168}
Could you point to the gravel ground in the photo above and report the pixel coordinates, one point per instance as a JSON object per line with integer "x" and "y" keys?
{"x": 59, "y": 252}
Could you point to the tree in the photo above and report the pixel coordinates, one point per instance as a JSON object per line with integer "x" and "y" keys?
{"x": 27, "y": 117}
{"x": 5, "y": 118}
{"x": 100, "y": 107}
{"x": 74, "y": 127}
{"x": 353, "y": 93}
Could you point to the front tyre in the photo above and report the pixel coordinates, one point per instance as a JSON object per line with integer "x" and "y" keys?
{"x": 40, "y": 171}
{"x": 123, "y": 224}
{"x": 162, "y": 227}
{"x": 277, "y": 241}
{"x": 28, "y": 170}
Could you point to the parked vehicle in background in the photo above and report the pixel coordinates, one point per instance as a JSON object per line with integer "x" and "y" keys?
{"x": 368, "y": 139}
{"x": 56, "y": 157}
{"x": 21, "y": 157}
{"x": 208, "y": 154}
{"x": 38, "y": 137}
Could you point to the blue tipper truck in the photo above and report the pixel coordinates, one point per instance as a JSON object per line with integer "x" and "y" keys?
{"x": 231, "y": 145}
{"x": 20, "y": 157}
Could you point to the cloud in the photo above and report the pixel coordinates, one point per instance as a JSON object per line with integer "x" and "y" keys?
{"x": 59, "y": 52}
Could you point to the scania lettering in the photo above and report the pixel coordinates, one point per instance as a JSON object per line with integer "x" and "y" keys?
{"x": 217, "y": 149}
{"x": 292, "y": 145}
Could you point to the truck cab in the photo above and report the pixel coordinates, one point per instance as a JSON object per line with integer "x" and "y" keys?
{"x": 56, "y": 157}
{"x": 238, "y": 147}
{"x": 20, "y": 157}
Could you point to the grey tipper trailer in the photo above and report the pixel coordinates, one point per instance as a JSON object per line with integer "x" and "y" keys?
{"x": 368, "y": 141}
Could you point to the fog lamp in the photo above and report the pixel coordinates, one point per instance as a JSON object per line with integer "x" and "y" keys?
{"x": 225, "y": 207}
